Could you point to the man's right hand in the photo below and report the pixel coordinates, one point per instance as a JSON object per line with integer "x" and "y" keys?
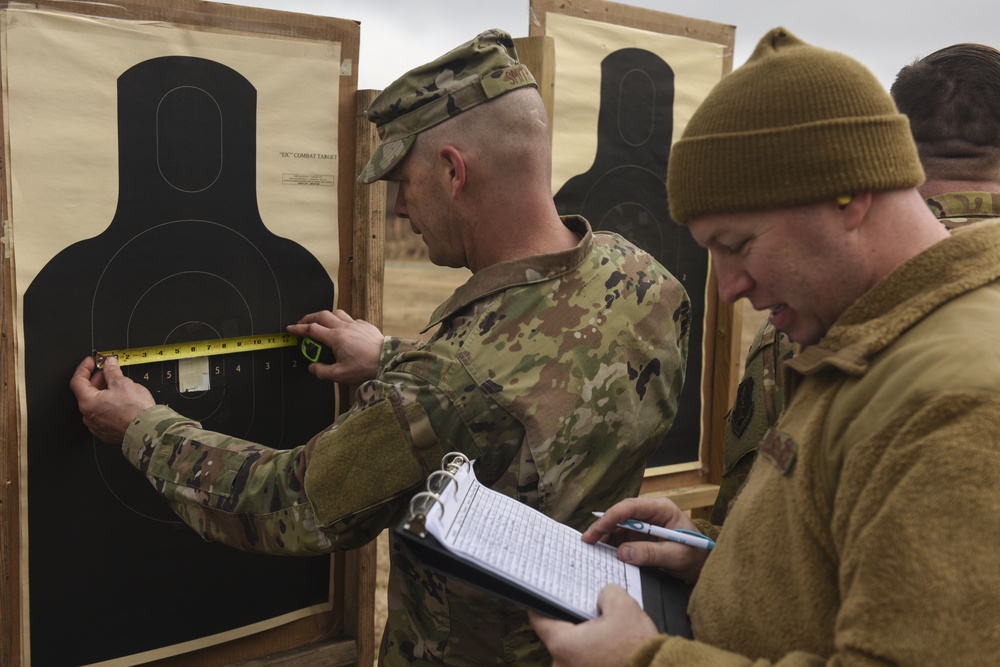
{"x": 680, "y": 560}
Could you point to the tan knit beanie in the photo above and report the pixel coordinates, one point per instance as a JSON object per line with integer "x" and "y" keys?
{"x": 794, "y": 125}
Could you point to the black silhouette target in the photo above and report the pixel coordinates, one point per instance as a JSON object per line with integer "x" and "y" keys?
{"x": 112, "y": 570}
{"x": 150, "y": 303}
{"x": 625, "y": 191}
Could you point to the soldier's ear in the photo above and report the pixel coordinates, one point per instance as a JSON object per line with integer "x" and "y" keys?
{"x": 453, "y": 166}
{"x": 854, "y": 208}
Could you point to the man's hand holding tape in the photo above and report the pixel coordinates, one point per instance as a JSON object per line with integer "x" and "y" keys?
{"x": 108, "y": 400}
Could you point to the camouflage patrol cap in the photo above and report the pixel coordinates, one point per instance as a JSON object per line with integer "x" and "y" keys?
{"x": 475, "y": 72}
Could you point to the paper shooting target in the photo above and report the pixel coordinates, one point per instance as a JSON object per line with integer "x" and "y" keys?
{"x": 625, "y": 191}
{"x": 186, "y": 257}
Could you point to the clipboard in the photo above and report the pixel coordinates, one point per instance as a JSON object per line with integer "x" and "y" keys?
{"x": 455, "y": 488}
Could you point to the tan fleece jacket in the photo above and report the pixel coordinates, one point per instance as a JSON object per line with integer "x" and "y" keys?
{"x": 869, "y": 530}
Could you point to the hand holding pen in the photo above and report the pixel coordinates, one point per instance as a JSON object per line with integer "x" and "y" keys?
{"x": 678, "y": 559}
{"x": 692, "y": 538}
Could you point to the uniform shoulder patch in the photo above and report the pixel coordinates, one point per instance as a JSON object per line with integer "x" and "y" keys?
{"x": 743, "y": 408}
{"x": 780, "y": 449}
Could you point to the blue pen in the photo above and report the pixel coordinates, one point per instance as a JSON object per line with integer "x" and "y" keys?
{"x": 680, "y": 535}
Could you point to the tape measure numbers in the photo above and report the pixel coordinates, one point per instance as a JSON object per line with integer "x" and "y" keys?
{"x": 310, "y": 349}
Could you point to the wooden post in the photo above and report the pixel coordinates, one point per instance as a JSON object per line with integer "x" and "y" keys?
{"x": 368, "y": 273}
{"x": 368, "y": 261}
{"x": 10, "y": 539}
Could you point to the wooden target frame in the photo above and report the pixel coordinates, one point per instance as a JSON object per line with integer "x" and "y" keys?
{"x": 340, "y": 632}
{"x": 572, "y": 46}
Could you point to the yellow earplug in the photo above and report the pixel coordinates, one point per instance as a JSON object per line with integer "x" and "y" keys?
{"x": 843, "y": 200}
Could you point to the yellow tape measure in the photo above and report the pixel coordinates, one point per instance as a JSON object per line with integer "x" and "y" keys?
{"x": 206, "y": 348}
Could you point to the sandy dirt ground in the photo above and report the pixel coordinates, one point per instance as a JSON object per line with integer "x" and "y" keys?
{"x": 413, "y": 289}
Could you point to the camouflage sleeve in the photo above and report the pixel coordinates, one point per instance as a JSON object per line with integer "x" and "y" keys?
{"x": 206, "y": 478}
{"x": 336, "y": 492}
{"x": 758, "y": 404}
{"x": 393, "y": 346}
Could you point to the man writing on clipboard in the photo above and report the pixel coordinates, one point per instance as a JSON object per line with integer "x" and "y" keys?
{"x": 866, "y": 532}
{"x": 557, "y": 366}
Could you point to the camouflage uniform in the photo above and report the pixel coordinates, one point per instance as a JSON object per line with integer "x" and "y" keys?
{"x": 759, "y": 401}
{"x": 558, "y": 373}
{"x": 958, "y": 209}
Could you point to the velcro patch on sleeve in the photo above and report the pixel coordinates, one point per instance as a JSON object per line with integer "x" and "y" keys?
{"x": 365, "y": 461}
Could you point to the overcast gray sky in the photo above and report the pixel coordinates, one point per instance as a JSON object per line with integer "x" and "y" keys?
{"x": 883, "y": 34}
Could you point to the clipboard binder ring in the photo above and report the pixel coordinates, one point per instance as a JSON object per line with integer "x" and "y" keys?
{"x": 437, "y": 486}
{"x": 421, "y": 503}
{"x": 453, "y": 461}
